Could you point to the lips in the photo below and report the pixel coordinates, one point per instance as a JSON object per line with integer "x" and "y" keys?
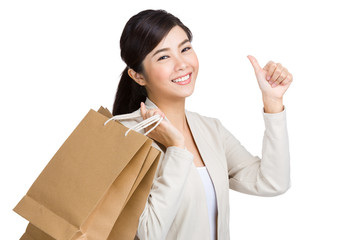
{"x": 182, "y": 78}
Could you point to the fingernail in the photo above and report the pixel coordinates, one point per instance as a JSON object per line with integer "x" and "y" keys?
{"x": 268, "y": 77}
{"x": 270, "y": 82}
{"x": 274, "y": 85}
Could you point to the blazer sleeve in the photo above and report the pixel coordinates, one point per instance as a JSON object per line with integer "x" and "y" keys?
{"x": 165, "y": 194}
{"x": 269, "y": 176}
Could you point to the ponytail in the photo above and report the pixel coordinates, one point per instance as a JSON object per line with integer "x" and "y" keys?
{"x": 129, "y": 95}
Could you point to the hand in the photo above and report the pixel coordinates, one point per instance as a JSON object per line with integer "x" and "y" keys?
{"x": 273, "y": 79}
{"x": 165, "y": 133}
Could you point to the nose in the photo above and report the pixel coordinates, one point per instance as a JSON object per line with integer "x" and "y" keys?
{"x": 180, "y": 64}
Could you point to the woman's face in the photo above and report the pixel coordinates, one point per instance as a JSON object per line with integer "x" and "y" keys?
{"x": 170, "y": 70}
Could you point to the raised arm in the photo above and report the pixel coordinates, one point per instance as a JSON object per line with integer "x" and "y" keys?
{"x": 269, "y": 176}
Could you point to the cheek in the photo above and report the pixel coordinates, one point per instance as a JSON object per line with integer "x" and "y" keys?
{"x": 194, "y": 61}
{"x": 161, "y": 74}
{"x": 197, "y": 64}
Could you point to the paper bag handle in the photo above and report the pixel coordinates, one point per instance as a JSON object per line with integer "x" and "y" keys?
{"x": 141, "y": 125}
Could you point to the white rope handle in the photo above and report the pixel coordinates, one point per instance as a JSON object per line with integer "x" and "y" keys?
{"x": 141, "y": 125}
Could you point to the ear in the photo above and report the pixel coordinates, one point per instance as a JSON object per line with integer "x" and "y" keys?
{"x": 137, "y": 77}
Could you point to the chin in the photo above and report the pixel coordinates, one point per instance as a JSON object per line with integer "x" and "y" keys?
{"x": 187, "y": 93}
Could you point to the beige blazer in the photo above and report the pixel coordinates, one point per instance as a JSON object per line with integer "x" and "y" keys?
{"x": 176, "y": 208}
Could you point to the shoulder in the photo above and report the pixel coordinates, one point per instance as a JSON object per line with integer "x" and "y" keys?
{"x": 135, "y": 117}
{"x": 208, "y": 126}
{"x": 130, "y": 119}
{"x": 203, "y": 120}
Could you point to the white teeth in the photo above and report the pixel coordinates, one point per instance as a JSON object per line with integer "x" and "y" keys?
{"x": 182, "y": 78}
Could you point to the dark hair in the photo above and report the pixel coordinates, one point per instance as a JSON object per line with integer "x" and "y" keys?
{"x": 141, "y": 34}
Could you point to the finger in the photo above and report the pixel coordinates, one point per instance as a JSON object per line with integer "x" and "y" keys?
{"x": 268, "y": 65}
{"x": 159, "y": 112}
{"x": 288, "y": 79}
{"x": 142, "y": 110}
{"x": 153, "y": 112}
{"x": 282, "y": 77}
{"x": 276, "y": 74}
{"x": 270, "y": 71}
{"x": 291, "y": 77}
{"x": 148, "y": 113}
{"x": 254, "y": 63}
{"x": 285, "y": 82}
{"x": 266, "y": 68}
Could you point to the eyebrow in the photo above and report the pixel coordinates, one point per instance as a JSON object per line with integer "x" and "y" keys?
{"x": 166, "y": 49}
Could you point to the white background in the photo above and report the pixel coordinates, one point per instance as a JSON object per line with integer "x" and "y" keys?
{"x": 58, "y": 59}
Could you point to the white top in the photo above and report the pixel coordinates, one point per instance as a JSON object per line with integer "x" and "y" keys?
{"x": 211, "y": 199}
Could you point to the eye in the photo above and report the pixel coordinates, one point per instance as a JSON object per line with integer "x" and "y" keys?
{"x": 162, "y": 58}
{"x": 186, "y": 49}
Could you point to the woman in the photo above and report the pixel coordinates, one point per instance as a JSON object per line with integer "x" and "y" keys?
{"x": 200, "y": 159}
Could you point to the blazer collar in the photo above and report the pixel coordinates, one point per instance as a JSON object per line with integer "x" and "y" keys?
{"x": 149, "y": 103}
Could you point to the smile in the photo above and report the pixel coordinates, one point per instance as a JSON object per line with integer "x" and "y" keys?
{"x": 181, "y": 79}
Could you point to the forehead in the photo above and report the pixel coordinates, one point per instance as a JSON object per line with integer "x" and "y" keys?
{"x": 175, "y": 36}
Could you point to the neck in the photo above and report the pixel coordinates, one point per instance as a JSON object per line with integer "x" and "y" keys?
{"x": 174, "y": 110}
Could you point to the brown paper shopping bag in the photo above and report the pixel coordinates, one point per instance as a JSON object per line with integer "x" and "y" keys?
{"x": 97, "y": 181}
{"x": 126, "y": 225}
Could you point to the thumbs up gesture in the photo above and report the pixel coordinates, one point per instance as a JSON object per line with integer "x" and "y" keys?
{"x": 273, "y": 80}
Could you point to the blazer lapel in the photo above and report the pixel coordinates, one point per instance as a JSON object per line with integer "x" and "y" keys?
{"x": 207, "y": 151}
{"x": 208, "y": 154}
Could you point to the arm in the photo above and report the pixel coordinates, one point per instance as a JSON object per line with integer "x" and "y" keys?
{"x": 165, "y": 194}
{"x": 269, "y": 176}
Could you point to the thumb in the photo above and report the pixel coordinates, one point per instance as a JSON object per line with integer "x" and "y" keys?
{"x": 142, "y": 110}
{"x": 254, "y": 62}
